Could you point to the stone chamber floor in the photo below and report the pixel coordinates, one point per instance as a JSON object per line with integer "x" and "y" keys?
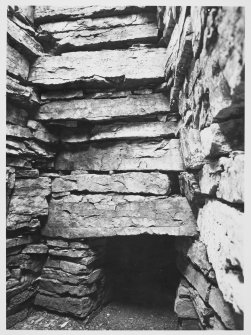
{"x": 114, "y": 316}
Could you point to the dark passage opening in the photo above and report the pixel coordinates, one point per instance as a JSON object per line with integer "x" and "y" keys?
{"x": 141, "y": 278}
{"x": 142, "y": 270}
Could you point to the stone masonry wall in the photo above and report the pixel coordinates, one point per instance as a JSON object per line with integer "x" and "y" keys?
{"x": 204, "y": 73}
{"x": 125, "y": 121}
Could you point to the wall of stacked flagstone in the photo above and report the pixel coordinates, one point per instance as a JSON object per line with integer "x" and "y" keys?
{"x": 125, "y": 121}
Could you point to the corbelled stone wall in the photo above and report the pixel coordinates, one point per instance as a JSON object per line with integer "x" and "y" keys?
{"x": 125, "y": 121}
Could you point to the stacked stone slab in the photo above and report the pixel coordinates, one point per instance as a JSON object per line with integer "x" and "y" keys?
{"x": 119, "y": 156}
{"x": 30, "y": 147}
{"x": 121, "y": 123}
{"x": 204, "y": 72}
{"x": 72, "y": 281}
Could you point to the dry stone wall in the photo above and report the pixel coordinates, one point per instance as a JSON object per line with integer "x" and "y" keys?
{"x": 205, "y": 75}
{"x": 124, "y": 121}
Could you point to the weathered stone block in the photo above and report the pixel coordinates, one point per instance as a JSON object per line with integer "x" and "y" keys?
{"x": 224, "y": 178}
{"x": 222, "y": 308}
{"x": 35, "y": 249}
{"x": 197, "y": 253}
{"x": 23, "y": 40}
{"x": 23, "y": 174}
{"x": 79, "y": 307}
{"x": 163, "y": 156}
{"x": 105, "y": 109}
{"x": 130, "y": 182}
{"x": 16, "y": 115}
{"x": 191, "y": 148}
{"x": 221, "y": 229}
{"x": 53, "y": 285}
{"x": 24, "y": 96}
{"x": 111, "y": 38}
{"x": 194, "y": 277}
{"x": 184, "y": 308}
{"x": 136, "y": 130}
{"x": 52, "y": 14}
{"x": 109, "y": 215}
{"x": 17, "y": 65}
{"x": 222, "y": 138}
{"x": 106, "y": 68}
{"x": 198, "y": 20}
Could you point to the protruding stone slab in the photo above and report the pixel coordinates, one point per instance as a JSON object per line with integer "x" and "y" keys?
{"x": 191, "y": 148}
{"x": 105, "y": 68}
{"x": 137, "y": 156}
{"x": 108, "y": 215}
{"x": 28, "y": 202}
{"x": 17, "y": 65}
{"x": 221, "y": 230}
{"x": 23, "y": 96}
{"x": 23, "y": 40}
{"x": 108, "y": 33}
{"x": 130, "y": 182}
{"x": 136, "y": 130}
{"x": 104, "y": 109}
{"x": 52, "y": 14}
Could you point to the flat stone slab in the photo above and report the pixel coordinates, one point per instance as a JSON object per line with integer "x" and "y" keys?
{"x": 101, "y": 33}
{"x": 52, "y": 14}
{"x": 115, "y": 131}
{"x": 102, "y": 69}
{"x": 23, "y": 40}
{"x": 81, "y": 216}
{"x": 104, "y": 109}
{"x": 130, "y": 182}
{"x": 136, "y": 156}
{"x": 119, "y": 37}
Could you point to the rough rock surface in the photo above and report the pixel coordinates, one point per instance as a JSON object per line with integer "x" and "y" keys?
{"x": 163, "y": 156}
{"x": 52, "y": 14}
{"x": 17, "y": 65}
{"x": 115, "y": 131}
{"x": 108, "y": 215}
{"x": 130, "y": 182}
{"x": 104, "y": 109}
{"x": 224, "y": 178}
{"x": 107, "y": 68}
{"x": 23, "y": 40}
{"x": 220, "y": 226}
{"x": 147, "y": 134}
{"x": 24, "y": 96}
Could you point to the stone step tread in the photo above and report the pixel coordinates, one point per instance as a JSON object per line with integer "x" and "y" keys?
{"x": 103, "y": 69}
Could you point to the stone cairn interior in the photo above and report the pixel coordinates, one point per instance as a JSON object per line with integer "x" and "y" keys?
{"x": 125, "y": 161}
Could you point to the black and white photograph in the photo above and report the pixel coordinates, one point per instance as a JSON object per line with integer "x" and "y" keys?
{"x": 124, "y": 166}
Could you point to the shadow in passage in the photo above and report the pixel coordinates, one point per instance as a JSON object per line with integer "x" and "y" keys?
{"x": 142, "y": 279}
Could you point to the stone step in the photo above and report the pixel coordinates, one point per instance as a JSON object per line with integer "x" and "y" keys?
{"x": 115, "y": 38}
{"x": 80, "y": 216}
{"x": 136, "y": 130}
{"x": 105, "y": 109}
{"x": 45, "y": 14}
{"x": 130, "y": 182}
{"x": 136, "y": 156}
{"x": 129, "y": 68}
{"x": 102, "y": 33}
